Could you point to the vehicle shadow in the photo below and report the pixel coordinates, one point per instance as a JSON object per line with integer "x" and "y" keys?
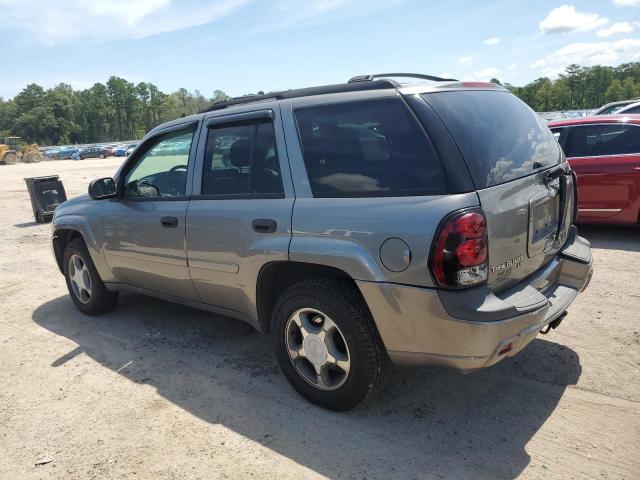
{"x": 26, "y": 224}
{"x": 425, "y": 423}
{"x": 612, "y": 237}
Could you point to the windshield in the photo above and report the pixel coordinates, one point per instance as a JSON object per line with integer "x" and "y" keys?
{"x": 500, "y": 137}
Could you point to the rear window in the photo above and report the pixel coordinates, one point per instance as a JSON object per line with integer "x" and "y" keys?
{"x": 500, "y": 137}
{"x": 367, "y": 148}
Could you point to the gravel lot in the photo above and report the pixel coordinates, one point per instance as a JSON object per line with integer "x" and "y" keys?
{"x": 155, "y": 390}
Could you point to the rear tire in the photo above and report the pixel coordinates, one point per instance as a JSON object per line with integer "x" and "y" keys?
{"x": 86, "y": 288}
{"x": 101, "y": 155}
{"x": 355, "y": 343}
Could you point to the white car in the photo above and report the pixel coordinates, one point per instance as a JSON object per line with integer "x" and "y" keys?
{"x": 633, "y": 108}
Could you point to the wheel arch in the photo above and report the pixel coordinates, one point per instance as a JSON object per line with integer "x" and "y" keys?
{"x": 61, "y": 238}
{"x": 275, "y": 277}
{"x": 69, "y": 227}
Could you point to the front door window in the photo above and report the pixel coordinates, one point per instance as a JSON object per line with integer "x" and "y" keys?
{"x": 161, "y": 171}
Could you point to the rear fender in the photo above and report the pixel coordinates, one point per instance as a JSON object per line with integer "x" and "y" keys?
{"x": 346, "y": 255}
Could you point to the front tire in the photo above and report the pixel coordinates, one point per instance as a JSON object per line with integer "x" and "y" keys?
{"x": 86, "y": 288}
{"x": 10, "y": 159}
{"x": 327, "y": 345}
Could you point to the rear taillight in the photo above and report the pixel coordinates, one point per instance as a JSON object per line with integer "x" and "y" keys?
{"x": 459, "y": 256}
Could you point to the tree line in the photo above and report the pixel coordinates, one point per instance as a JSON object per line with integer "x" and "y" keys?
{"x": 581, "y": 88}
{"x": 122, "y": 110}
{"x": 117, "y": 110}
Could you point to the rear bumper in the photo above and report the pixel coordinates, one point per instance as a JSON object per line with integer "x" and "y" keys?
{"x": 467, "y": 329}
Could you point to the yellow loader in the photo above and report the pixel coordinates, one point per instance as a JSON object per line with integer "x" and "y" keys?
{"x": 12, "y": 150}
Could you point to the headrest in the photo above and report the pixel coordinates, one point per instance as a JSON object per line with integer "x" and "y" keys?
{"x": 240, "y": 153}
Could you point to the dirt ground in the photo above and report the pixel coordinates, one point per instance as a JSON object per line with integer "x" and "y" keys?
{"x": 155, "y": 390}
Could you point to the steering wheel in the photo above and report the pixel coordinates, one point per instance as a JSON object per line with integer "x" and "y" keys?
{"x": 175, "y": 186}
{"x": 146, "y": 189}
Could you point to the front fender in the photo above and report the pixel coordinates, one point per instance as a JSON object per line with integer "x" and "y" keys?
{"x": 341, "y": 253}
{"x": 63, "y": 224}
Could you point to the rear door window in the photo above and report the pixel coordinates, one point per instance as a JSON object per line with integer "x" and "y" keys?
{"x": 599, "y": 140}
{"x": 367, "y": 148}
{"x": 242, "y": 160}
{"x": 500, "y": 137}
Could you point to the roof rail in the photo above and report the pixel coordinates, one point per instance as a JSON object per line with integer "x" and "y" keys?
{"x": 369, "y": 78}
{"x": 304, "y": 92}
{"x": 240, "y": 100}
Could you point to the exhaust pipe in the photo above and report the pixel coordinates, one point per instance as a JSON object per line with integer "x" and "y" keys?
{"x": 554, "y": 324}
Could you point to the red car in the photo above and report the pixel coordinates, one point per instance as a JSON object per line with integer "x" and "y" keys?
{"x": 604, "y": 151}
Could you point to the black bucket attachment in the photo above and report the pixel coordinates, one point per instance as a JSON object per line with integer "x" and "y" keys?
{"x": 46, "y": 194}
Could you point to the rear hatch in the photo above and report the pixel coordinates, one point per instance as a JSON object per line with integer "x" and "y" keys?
{"x": 523, "y": 182}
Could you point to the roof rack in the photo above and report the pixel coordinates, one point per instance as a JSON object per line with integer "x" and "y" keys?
{"x": 305, "y": 92}
{"x": 370, "y": 78}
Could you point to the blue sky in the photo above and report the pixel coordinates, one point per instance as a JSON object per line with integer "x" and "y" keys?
{"x": 242, "y": 46}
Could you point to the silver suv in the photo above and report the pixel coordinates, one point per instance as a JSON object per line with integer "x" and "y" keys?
{"x": 423, "y": 223}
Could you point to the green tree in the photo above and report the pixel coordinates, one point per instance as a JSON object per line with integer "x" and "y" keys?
{"x": 614, "y": 92}
{"x": 630, "y": 88}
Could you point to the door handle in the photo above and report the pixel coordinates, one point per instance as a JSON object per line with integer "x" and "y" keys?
{"x": 264, "y": 225}
{"x": 637, "y": 169}
{"x": 169, "y": 222}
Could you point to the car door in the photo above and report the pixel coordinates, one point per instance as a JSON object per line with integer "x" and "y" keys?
{"x": 239, "y": 217}
{"x": 143, "y": 230}
{"x": 606, "y": 159}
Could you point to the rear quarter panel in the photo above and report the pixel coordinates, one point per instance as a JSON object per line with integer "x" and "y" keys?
{"x": 347, "y": 233}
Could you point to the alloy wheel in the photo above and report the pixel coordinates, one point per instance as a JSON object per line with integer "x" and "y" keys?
{"x": 80, "y": 278}
{"x": 317, "y": 349}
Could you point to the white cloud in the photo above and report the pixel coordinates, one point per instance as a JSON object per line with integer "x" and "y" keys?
{"x": 484, "y": 75}
{"x": 512, "y": 67}
{"x": 627, "y": 3}
{"x": 492, "y": 41}
{"x": 304, "y": 12}
{"x": 620, "y": 27}
{"x": 465, "y": 59}
{"x": 566, "y": 18}
{"x": 68, "y": 20}
{"x": 585, "y": 53}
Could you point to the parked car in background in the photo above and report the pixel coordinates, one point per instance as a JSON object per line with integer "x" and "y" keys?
{"x": 50, "y": 153}
{"x": 358, "y": 223}
{"x": 633, "y": 108}
{"x": 604, "y": 152}
{"x": 173, "y": 148}
{"x": 130, "y": 150}
{"x": 96, "y": 151}
{"x": 65, "y": 153}
{"x": 121, "y": 150}
{"x": 614, "y": 107}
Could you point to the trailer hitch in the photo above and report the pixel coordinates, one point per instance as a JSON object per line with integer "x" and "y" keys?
{"x": 554, "y": 324}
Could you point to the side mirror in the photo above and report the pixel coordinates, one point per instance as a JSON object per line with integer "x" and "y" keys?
{"x": 103, "y": 188}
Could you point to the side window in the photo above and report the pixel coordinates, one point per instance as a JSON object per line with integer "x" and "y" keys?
{"x": 633, "y": 110}
{"x": 599, "y": 140}
{"x": 557, "y": 133}
{"x": 242, "y": 159}
{"x": 161, "y": 171}
{"x": 367, "y": 148}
